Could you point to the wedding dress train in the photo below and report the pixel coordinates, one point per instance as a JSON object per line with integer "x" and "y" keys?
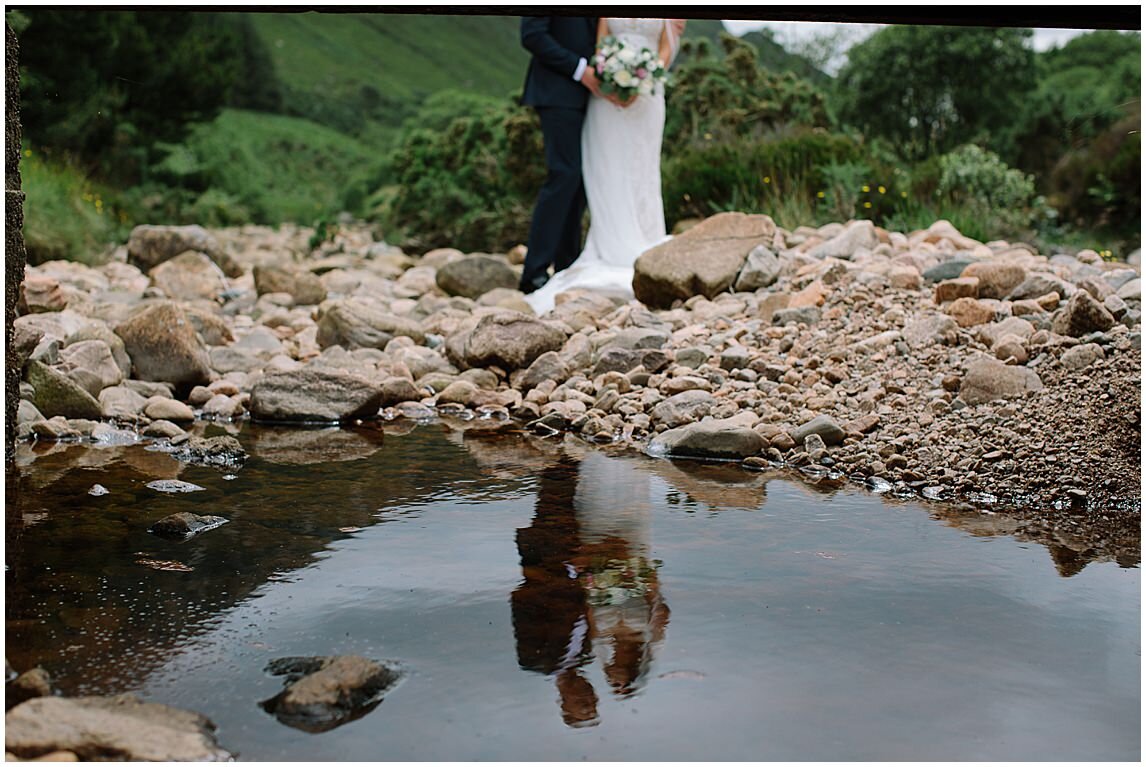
{"x": 621, "y": 166}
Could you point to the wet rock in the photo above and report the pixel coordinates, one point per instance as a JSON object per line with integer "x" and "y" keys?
{"x": 189, "y": 276}
{"x": 222, "y": 450}
{"x": 822, "y": 425}
{"x": 507, "y": 339}
{"x": 34, "y": 683}
{"x": 168, "y": 409}
{"x": 356, "y": 323}
{"x": 184, "y": 525}
{"x": 121, "y": 727}
{"x": 57, "y": 395}
{"x": 726, "y": 438}
{"x": 988, "y": 379}
{"x": 164, "y": 346}
{"x": 314, "y": 395}
{"x": 705, "y": 260}
{"x": 325, "y": 692}
{"x": 1082, "y": 314}
{"x": 121, "y": 402}
{"x": 304, "y": 287}
{"x": 174, "y": 486}
{"x": 475, "y": 275}
{"x": 162, "y": 430}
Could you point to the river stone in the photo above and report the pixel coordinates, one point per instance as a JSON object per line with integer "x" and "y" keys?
{"x": 947, "y": 270}
{"x": 189, "y": 276}
{"x": 808, "y": 315}
{"x": 397, "y": 389}
{"x": 1131, "y": 290}
{"x": 1082, "y": 356}
{"x": 510, "y": 340}
{"x": 1008, "y": 346}
{"x": 26, "y": 412}
{"x": 615, "y": 359}
{"x": 97, "y": 330}
{"x": 958, "y": 287}
{"x": 968, "y": 312}
{"x": 314, "y": 395}
{"x": 724, "y": 438}
{"x": 856, "y": 235}
{"x": 174, "y": 486}
{"x": 33, "y": 683}
{"x": 184, "y": 525}
{"x": 212, "y": 328}
{"x": 1082, "y": 315}
{"x": 475, "y": 275}
{"x": 930, "y": 329}
{"x": 121, "y": 402}
{"x": 356, "y": 323}
{"x": 996, "y": 278}
{"x": 41, "y": 293}
{"x": 221, "y": 450}
{"x": 824, "y": 426}
{"x": 1038, "y": 284}
{"x": 905, "y": 277}
{"x": 988, "y": 379}
{"x": 704, "y": 260}
{"x": 761, "y": 269}
{"x": 92, "y": 365}
{"x": 548, "y": 367}
{"x": 148, "y": 246}
{"x": 121, "y": 726}
{"x": 638, "y": 338}
{"x": 325, "y": 692}
{"x": 164, "y": 346}
{"x": 162, "y": 430}
{"x": 304, "y": 287}
{"x": 57, "y": 395}
{"x": 683, "y": 408}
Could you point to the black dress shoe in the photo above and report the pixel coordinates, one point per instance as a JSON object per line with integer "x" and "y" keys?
{"x": 528, "y": 286}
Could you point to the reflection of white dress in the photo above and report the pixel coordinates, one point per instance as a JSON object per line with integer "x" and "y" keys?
{"x": 621, "y": 165}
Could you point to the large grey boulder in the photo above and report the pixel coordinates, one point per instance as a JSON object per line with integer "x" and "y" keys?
{"x": 356, "y": 323}
{"x": 823, "y": 426}
{"x": 704, "y": 260}
{"x": 56, "y": 394}
{"x": 510, "y": 340}
{"x": 988, "y": 379}
{"x": 856, "y": 235}
{"x": 315, "y": 395}
{"x": 475, "y": 275}
{"x": 683, "y": 408}
{"x": 122, "y": 726}
{"x": 725, "y": 438}
{"x": 164, "y": 346}
{"x": 761, "y": 269}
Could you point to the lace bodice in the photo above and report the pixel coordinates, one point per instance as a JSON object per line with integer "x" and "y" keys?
{"x": 646, "y": 32}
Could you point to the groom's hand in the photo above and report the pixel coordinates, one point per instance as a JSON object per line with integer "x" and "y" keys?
{"x": 590, "y": 81}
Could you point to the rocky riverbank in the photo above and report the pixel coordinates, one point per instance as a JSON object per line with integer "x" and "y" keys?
{"x": 921, "y": 364}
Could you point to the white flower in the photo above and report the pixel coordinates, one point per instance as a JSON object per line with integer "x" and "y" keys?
{"x": 627, "y": 56}
{"x": 625, "y": 79}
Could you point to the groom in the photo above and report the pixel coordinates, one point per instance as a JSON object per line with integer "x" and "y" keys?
{"x": 557, "y": 86}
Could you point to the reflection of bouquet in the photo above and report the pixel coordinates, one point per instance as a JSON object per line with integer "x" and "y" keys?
{"x": 626, "y": 71}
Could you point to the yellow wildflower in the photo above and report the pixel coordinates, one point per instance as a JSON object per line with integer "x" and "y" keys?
{"x": 820, "y": 195}
{"x": 867, "y": 204}
{"x": 866, "y": 188}
{"x": 881, "y": 189}
{"x": 767, "y": 179}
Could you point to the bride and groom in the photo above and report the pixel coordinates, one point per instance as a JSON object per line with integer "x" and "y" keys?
{"x": 599, "y": 151}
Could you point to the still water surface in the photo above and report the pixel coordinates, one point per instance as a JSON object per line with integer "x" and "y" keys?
{"x": 553, "y": 601}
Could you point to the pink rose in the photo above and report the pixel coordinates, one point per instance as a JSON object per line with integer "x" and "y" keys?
{"x": 642, "y": 73}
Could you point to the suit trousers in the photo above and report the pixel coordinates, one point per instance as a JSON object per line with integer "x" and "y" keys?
{"x": 555, "y": 231}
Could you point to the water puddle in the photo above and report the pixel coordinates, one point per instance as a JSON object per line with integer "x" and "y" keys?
{"x": 552, "y": 600}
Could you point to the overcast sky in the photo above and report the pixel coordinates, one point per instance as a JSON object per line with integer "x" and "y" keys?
{"x": 791, "y": 33}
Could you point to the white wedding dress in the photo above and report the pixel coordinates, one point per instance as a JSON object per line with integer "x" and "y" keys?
{"x": 621, "y": 166}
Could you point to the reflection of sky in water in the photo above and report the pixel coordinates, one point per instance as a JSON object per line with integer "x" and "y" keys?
{"x": 834, "y": 628}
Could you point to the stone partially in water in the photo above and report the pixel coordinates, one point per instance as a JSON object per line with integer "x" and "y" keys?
{"x": 173, "y": 486}
{"x": 184, "y": 525}
{"x": 325, "y": 692}
{"x": 121, "y": 727}
{"x": 213, "y": 451}
{"x": 727, "y": 438}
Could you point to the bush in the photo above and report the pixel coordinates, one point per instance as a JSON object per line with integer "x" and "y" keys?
{"x": 1001, "y": 198}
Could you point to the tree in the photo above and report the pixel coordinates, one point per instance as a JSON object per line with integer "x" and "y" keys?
{"x": 929, "y": 89}
{"x": 108, "y": 85}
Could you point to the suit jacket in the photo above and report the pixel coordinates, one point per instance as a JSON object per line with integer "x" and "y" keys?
{"x": 557, "y": 43}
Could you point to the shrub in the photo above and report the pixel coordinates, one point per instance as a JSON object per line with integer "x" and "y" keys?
{"x": 1002, "y": 199}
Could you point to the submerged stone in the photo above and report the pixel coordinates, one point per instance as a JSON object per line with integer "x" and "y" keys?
{"x": 325, "y": 692}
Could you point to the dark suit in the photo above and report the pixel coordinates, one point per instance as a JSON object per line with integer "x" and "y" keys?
{"x": 557, "y": 43}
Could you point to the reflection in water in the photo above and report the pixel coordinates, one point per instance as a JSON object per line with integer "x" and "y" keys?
{"x": 590, "y": 587}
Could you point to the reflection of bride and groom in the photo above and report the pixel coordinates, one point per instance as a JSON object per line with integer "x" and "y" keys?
{"x": 598, "y": 149}
{"x": 590, "y": 587}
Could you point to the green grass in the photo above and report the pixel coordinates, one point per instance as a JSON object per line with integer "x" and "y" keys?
{"x": 66, "y": 216}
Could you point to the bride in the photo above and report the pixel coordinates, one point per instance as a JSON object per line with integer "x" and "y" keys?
{"x": 621, "y": 165}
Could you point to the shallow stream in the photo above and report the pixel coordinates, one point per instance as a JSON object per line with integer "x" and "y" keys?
{"x": 552, "y": 600}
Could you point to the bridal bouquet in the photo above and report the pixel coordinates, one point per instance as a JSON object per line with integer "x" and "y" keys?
{"x": 626, "y": 71}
